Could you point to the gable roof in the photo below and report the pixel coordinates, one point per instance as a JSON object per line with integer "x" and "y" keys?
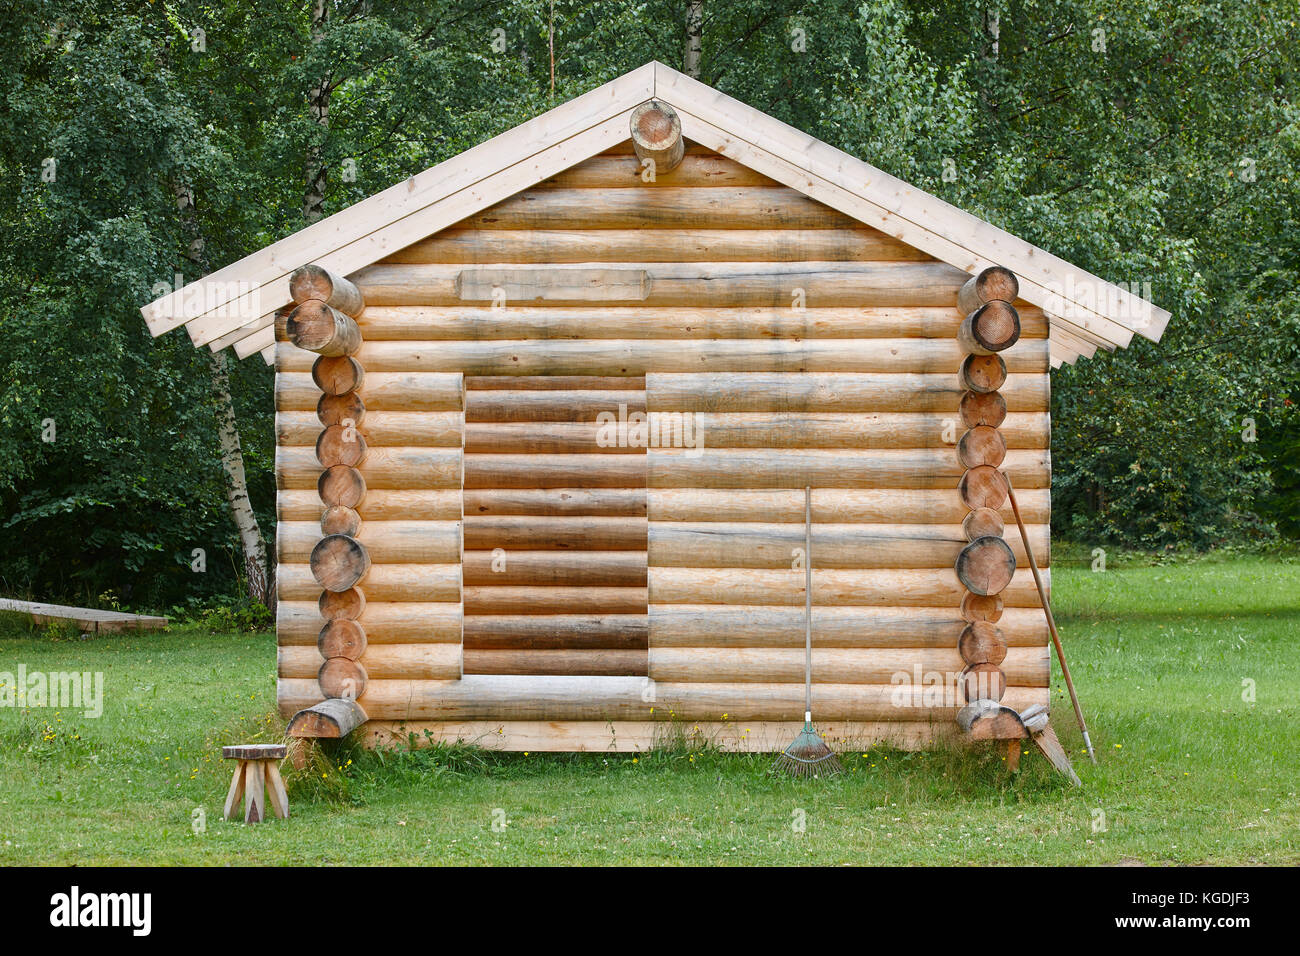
{"x": 236, "y": 305}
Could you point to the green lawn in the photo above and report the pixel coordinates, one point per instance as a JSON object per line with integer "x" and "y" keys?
{"x": 1189, "y": 772}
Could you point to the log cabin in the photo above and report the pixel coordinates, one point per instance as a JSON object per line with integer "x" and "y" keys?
{"x": 546, "y": 412}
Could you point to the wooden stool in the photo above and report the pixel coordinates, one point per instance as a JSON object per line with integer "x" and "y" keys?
{"x": 256, "y": 775}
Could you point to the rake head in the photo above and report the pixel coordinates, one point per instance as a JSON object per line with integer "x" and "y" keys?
{"x": 807, "y": 756}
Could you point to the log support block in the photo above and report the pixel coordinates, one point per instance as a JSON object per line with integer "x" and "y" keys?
{"x": 329, "y": 720}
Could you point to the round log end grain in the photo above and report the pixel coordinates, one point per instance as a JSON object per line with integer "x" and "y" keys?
{"x": 338, "y": 409}
{"x": 342, "y": 605}
{"x": 337, "y": 374}
{"x": 985, "y": 566}
{"x": 982, "y": 487}
{"x": 657, "y": 134}
{"x": 341, "y": 485}
{"x": 982, "y": 643}
{"x": 982, "y": 373}
{"x": 981, "y": 607}
{"x": 983, "y": 682}
{"x": 339, "y": 562}
{"x": 317, "y": 327}
{"x": 981, "y": 522}
{"x": 313, "y": 282}
{"x": 340, "y": 520}
{"x": 993, "y": 327}
{"x": 979, "y": 408}
{"x": 345, "y": 445}
{"x": 342, "y": 638}
{"x": 995, "y": 282}
{"x": 981, "y": 445}
{"x": 341, "y": 677}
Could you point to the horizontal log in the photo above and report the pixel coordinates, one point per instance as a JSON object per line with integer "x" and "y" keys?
{"x": 984, "y": 566}
{"x": 668, "y": 207}
{"x": 339, "y": 519}
{"x": 505, "y": 697}
{"x": 383, "y": 505}
{"x": 985, "y": 521}
{"x": 831, "y": 505}
{"x": 1023, "y": 666}
{"x": 562, "y": 471}
{"x": 983, "y": 643}
{"x": 557, "y": 632}
{"x": 341, "y": 638}
{"x": 554, "y": 600}
{"x": 382, "y": 662}
{"x": 640, "y": 736}
{"x": 610, "y": 502}
{"x": 509, "y": 405}
{"x": 441, "y": 323}
{"x": 828, "y": 392}
{"x": 982, "y": 373}
{"x": 624, "y": 171}
{"x": 530, "y": 533}
{"x": 340, "y": 445}
{"x": 927, "y": 587}
{"x": 720, "y": 625}
{"x": 983, "y": 408}
{"x": 596, "y": 663}
{"x": 420, "y": 429}
{"x": 850, "y": 430}
{"x": 474, "y": 246}
{"x": 993, "y": 327}
{"x": 623, "y": 356}
{"x": 982, "y": 607}
{"x": 557, "y": 568}
{"x": 515, "y": 285}
{"x": 392, "y": 392}
{"x": 982, "y": 445}
{"x": 417, "y": 583}
{"x": 346, "y": 605}
{"x": 338, "y": 409}
{"x": 298, "y": 620}
{"x": 391, "y": 467}
{"x": 797, "y": 468}
{"x": 340, "y": 677}
{"x": 338, "y": 486}
{"x": 845, "y": 546}
{"x": 547, "y": 438}
{"x": 694, "y": 284}
{"x": 388, "y": 542}
{"x": 553, "y": 383}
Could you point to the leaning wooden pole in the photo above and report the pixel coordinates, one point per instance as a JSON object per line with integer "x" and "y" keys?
{"x": 324, "y": 321}
{"x": 1051, "y": 621}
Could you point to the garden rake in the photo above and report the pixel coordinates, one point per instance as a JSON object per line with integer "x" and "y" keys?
{"x": 807, "y": 755}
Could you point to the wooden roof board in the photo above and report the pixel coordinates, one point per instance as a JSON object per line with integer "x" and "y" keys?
{"x": 235, "y": 305}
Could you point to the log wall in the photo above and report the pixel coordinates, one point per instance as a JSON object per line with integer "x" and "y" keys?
{"x": 803, "y": 347}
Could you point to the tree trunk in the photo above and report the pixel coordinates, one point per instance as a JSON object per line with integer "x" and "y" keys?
{"x": 318, "y": 101}
{"x": 259, "y": 577}
{"x": 694, "y": 38}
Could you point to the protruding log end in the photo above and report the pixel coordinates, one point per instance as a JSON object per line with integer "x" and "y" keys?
{"x": 339, "y": 562}
{"x": 313, "y": 282}
{"x": 982, "y": 373}
{"x": 993, "y": 327}
{"x": 338, "y": 409}
{"x": 981, "y": 445}
{"x": 330, "y": 719}
{"x": 337, "y": 519}
{"x": 317, "y": 327}
{"x": 342, "y": 638}
{"x": 981, "y": 607}
{"x": 344, "y": 445}
{"x": 341, "y": 485}
{"x": 982, "y": 487}
{"x": 985, "y": 566}
{"x": 979, "y": 408}
{"x": 984, "y": 682}
{"x": 982, "y": 643}
{"x": 986, "y": 719}
{"x": 994, "y": 283}
{"x": 657, "y": 136}
{"x": 341, "y": 677}
{"x": 981, "y": 522}
{"x": 337, "y": 375}
{"x": 342, "y": 605}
